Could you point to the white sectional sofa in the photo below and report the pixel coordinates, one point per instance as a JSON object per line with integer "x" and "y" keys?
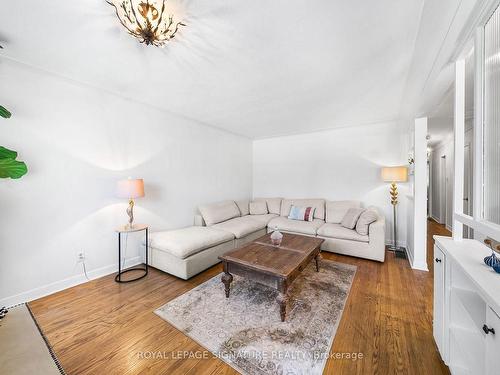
{"x": 222, "y": 226}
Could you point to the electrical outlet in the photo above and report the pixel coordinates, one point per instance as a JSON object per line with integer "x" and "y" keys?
{"x": 80, "y": 257}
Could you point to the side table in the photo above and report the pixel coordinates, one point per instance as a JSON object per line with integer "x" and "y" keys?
{"x": 127, "y": 229}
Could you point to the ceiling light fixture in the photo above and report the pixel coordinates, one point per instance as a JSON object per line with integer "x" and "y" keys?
{"x": 148, "y": 21}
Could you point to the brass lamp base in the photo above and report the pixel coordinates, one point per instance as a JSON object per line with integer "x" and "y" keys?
{"x": 399, "y": 251}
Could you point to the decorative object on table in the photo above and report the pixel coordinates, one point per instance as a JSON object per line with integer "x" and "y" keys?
{"x": 276, "y": 237}
{"x": 149, "y": 21}
{"x": 130, "y": 189}
{"x": 126, "y": 229}
{"x": 9, "y": 166}
{"x": 393, "y": 175}
{"x": 244, "y": 328}
{"x": 491, "y": 260}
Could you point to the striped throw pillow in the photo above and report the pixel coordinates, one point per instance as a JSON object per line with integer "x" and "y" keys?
{"x": 301, "y": 213}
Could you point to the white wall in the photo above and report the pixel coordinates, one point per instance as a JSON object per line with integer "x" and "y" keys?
{"x": 417, "y": 252}
{"x": 77, "y": 141}
{"x": 335, "y": 164}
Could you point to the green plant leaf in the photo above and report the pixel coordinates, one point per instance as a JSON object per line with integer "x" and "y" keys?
{"x": 4, "y": 112}
{"x": 5, "y": 153}
{"x": 10, "y": 168}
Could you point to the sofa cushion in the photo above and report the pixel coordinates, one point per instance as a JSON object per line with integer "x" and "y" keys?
{"x": 351, "y": 217}
{"x": 318, "y": 204}
{"x": 217, "y": 212}
{"x": 243, "y": 206}
{"x": 301, "y": 213}
{"x": 241, "y": 226}
{"x": 367, "y": 217}
{"x": 273, "y": 204}
{"x": 336, "y": 210}
{"x": 258, "y": 208}
{"x": 295, "y": 226}
{"x": 188, "y": 241}
{"x": 338, "y": 231}
{"x": 264, "y": 219}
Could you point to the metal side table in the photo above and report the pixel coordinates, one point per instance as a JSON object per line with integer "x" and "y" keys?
{"x": 127, "y": 229}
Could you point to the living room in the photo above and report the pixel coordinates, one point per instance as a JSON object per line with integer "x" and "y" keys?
{"x": 210, "y": 187}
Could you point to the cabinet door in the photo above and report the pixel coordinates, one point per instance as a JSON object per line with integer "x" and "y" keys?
{"x": 439, "y": 300}
{"x": 492, "y": 342}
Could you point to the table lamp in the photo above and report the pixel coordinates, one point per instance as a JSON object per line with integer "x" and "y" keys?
{"x": 393, "y": 175}
{"x": 130, "y": 189}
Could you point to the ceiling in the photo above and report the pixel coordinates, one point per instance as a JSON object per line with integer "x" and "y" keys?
{"x": 254, "y": 68}
{"x": 441, "y": 117}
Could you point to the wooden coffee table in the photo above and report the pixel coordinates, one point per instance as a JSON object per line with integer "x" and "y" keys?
{"x": 270, "y": 265}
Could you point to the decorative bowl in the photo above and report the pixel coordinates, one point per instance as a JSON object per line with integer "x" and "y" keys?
{"x": 492, "y": 260}
{"x": 496, "y": 267}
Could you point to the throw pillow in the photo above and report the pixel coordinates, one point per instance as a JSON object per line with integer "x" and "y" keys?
{"x": 243, "y": 207}
{"x": 273, "y": 204}
{"x": 258, "y": 208}
{"x": 336, "y": 210}
{"x": 218, "y": 212}
{"x": 364, "y": 221}
{"x": 351, "y": 217}
{"x": 301, "y": 213}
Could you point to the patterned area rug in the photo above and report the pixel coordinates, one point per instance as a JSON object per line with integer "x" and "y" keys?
{"x": 245, "y": 330}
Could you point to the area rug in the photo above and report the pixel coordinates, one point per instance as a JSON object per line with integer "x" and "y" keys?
{"x": 245, "y": 329}
{"x": 23, "y": 347}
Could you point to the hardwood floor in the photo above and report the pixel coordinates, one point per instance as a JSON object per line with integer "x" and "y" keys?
{"x": 103, "y": 327}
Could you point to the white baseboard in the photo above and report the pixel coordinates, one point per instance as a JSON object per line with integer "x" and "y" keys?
{"x": 436, "y": 219}
{"x": 399, "y": 243}
{"x": 409, "y": 251}
{"x": 421, "y": 266}
{"x": 57, "y": 286}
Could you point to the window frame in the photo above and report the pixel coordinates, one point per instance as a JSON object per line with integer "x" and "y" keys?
{"x": 477, "y": 221}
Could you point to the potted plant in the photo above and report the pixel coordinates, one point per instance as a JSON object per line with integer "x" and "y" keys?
{"x": 9, "y": 166}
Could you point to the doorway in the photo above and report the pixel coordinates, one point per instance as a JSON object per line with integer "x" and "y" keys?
{"x": 443, "y": 188}
{"x": 467, "y": 199}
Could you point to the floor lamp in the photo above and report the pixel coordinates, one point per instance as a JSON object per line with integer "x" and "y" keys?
{"x": 393, "y": 175}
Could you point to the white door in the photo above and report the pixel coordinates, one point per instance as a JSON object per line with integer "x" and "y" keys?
{"x": 467, "y": 187}
{"x": 438, "y": 325}
{"x": 443, "y": 190}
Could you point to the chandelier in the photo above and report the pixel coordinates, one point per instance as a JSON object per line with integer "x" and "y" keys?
{"x": 148, "y": 20}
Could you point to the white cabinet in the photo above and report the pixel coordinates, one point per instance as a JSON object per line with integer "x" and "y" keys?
{"x": 466, "y": 323}
{"x": 439, "y": 298}
{"x": 492, "y": 342}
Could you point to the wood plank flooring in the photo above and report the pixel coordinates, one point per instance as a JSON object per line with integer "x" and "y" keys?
{"x": 102, "y": 327}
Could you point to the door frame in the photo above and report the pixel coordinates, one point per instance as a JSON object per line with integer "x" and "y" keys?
{"x": 443, "y": 201}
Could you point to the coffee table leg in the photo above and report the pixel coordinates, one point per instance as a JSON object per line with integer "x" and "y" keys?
{"x": 227, "y": 279}
{"x": 282, "y": 299}
{"x": 317, "y": 258}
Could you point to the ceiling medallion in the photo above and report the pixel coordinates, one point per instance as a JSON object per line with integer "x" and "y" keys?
{"x": 148, "y": 21}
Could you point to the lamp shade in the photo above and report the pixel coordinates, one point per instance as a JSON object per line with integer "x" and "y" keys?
{"x": 395, "y": 174}
{"x": 130, "y": 188}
